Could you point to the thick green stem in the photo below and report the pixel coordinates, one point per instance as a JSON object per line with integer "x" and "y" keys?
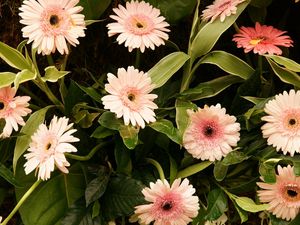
{"x": 158, "y": 167}
{"x": 50, "y": 60}
{"x": 21, "y": 201}
{"x": 187, "y": 76}
{"x": 137, "y": 58}
{"x": 88, "y": 156}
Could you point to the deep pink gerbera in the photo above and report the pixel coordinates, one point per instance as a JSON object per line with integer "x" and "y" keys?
{"x": 262, "y": 39}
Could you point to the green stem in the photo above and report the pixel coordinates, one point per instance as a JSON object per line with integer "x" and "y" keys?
{"x": 50, "y": 60}
{"x": 88, "y": 156}
{"x": 187, "y": 76}
{"x": 137, "y": 58}
{"x": 236, "y": 27}
{"x": 158, "y": 167}
{"x": 21, "y": 201}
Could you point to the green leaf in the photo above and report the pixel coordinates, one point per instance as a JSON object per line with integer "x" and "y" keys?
{"x": 286, "y": 62}
{"x": 8, "y": 175}
{"x": 23, "y": 76}
{"x": 229, "y": 63}
{"x": 182, "y": 118}
{"x": 249, "y": 205}
{"x": 122, "y": 157}
{"x": 173, "y": 169}
{"x": 242, "y": 213}
{"x": 90, "y": 91}
{"x": 285, "y": 75}
{"x": 28, "y": 129}
{"x": 217, "y": 204}
{"x": 129, "y": 135}
{"x": 52, "y": 74}
{"x": 6, "y": 78}
{"x": 13, "y": 57}
{"x": 109, "y": 120}
{"x": 166, "y": 127}
{"x": 220, "y": 171}
{"x": 210, "y": 88}
{"x": 295, "y": 221}
{"x": 193, "y": 169}
{"x": 211, "y": 32}
{"x": 259, "y": 3}
{"x": 122, "y": 195}
{"x": 93, "y": 9}
{"x": 162, "y": 71}
{"x": 234, "y": 157}
{"x": 102, "y": 132}
{"x": 267, "y": 170}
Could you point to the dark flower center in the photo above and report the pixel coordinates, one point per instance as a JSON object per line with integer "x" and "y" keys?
{"x": 48, "y": 146}
{"x": 167, "y": 206}
{"x": 292, "y": 122}
{"x": 139, "y": 25}
{"x": 54, "y": 20}
{"x": 209, "y": 131}
{"x": 1, "y": 105}
{"x": 292, "y": 193}
{"x": 131, "y": 97}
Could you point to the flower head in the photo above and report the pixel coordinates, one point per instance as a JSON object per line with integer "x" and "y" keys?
{"x": 48, "y": 146}
{"x": 282, "y": 196}
{"x": 282, "y": 127}
{"x": 220, "y": 8}
{"x": 51, "y": 24}
{"x": 129, "y": 96}
{"x": 262, "y": 39}
{"x": 211, "y": 133}
{"x": 173, "y": 205}
{"x": 12, "y": 109}
{"x": 139, "y": 25}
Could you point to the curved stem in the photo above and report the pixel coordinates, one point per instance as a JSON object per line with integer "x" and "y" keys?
{"x": 21, "y": 201}
{"x": 158, "y": 167}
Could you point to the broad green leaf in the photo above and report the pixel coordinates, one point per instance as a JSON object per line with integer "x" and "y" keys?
{"x": 102, "y": 132}
{"x": 6, "y": 78}
{"x": 166, "y": 127}
{"x": 28, "y": 129}
{"x": 90, "y": 91}
{"x": 267, "y": 170}
{"x": 242, "y": 213}
{"x": 13, "y": 57}
{"x": 220, "y": 171}
{"x": 217, "y": 204}
{"x": 234, "y": 157}
{"x": 23, "y": 76}
{"x": 8, "y": 175}
{"x": 210, "y": 88}
{"x": 209, "y": 34}
{"x": 162, "y": 71}
{"x": 285, "y": 75}
{"x": 229, "y": 63}
{"x": 249, "y": 205}
{"x": 129, "y": 135}
{"x": 52, "y": 74}
{"x": 182, "y": 118}
{"x": 122, "y": 157}
{"x": 193, "y": 169}
{"x": 93, "y": 9}
{"x": 286, "y": 62}
{"x": 109, "y": 120}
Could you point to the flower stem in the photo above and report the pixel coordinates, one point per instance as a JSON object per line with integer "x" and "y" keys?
{"x": 137, "y": 58}
{"x": 158, "y": 167}
{"x": 88, "y": 156}
{"x": 21, "y": 201}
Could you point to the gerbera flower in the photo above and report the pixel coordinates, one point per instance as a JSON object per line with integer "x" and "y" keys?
{"x": 220, "y": 221}
{"x": 173, "y": 205}
{"x": 51, "y": 24}
{"x": 220, "y": 8}
{"x": 139, "y": 25}
{"x": 129, "y": 96}
{"x": 211, "y": 133}
{"x": 283, "y": 122}
{"x": 282, "y": 196}
{"x": 48, "y": 146}
{"x": 12, "y": 109}
{"x": 262, "y": 39}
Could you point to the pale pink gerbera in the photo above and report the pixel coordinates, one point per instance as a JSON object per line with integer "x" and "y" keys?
{"x": 211, "y": 133}
{"x": 220, "y": 8}
{"x": 129, "y": 96}
{"x": 262, "y": 39}
{"x": 282, "y": 196}
{"x": 12, "y": 109}
{"x": 283, "y": 122}
{"x": 50, "y": 23}
{"x": 48, "y": 146}
{"x": 173, "y": 205}
{"x": 139, "y": 25}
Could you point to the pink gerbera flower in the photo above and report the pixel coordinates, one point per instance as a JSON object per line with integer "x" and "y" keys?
{"x": 139, "y": 25}
{"x": 282, "y": 196}
{"x": 283, "y": 122}
{"x": 262, "y": 39}
{"x": 211, "y": 133}
{"x": 220, "y": 8}
{"x": 12, "y": 109}
{"x": 129, "y": 96}
{"x": 51, "y": 24}
{"x": 48, "y": 146}
{"x": 173, "y": 205}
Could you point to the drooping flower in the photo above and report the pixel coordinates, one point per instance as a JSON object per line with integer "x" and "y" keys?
{"x": 129, "y": 96}
{"x": 283, "y": 196}
{"x": 12, "y": 109}
{"x": 211, "y": 133}
{"x": 282, "y": 127}
{"x": 221, "y": 9}
{"x": 50, "y": 24}
{"x": 262, "y": 39}
{"x": 220, "y": 221}
{"x": 139, "y": 25}
{"x": 174, "y": 205}
{"x": 48, "y": 146}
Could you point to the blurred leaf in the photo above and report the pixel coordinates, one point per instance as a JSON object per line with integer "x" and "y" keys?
{"x": 255, "y": 100}
{"x": 28, "y": 129}
{"x": 277, "y": 221}
{"x": 285, "y": 75}
{"x": 267, "y": 170}
{"x": 182, "y": 118}
{"x": 102, "y": 132}
{"x": 173, "y": 169}
{"x": 229, "y": 63}
{"x": 6, "y": 79}
{"x": 23, "y": 76}
{"x": 295, "y": 221}
{"x": 93, "y": 9}
{"x": 242, "y": 213}
{"x": 96, "y": 209}
{"x": 286, "y": 62}
{"x": 210, "y": 88}
{"x": 259, "y": 3}
{"x": 90, "y": 91}
{"x": 52, "y": 74}
{"x": 209, "y": 34}
{"x": 162, "y": 71}
{"x": 217, "y": 204}
{"x": 8, "y": 175}
{"x": 109, "y": 120}
{"x": 166, "y": 127}
{"x": 234, "y": 157}
{"x": 249, "y": 205}
{"x": 220, "y": 171}
{"x": 84, "y": 118}
{"x": 90, "y": 22}
{"x": 122, "y": 157}
{"x": 193, "y": 169}
{"x": 129, "y": 135}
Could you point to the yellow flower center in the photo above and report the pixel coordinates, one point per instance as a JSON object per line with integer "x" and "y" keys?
{"x": 255, "y": 41}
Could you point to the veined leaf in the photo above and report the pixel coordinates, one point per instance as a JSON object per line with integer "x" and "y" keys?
{"x": 217, "y": 204}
